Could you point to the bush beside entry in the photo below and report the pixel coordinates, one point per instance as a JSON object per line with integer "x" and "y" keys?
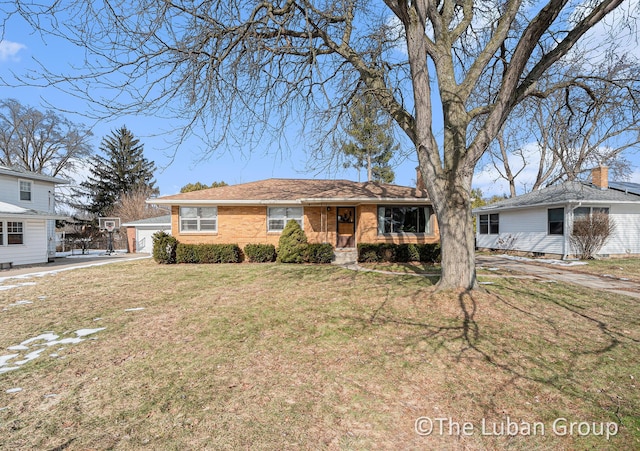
{"x": 164, "y": 248}
{"x": 292, "y": 244}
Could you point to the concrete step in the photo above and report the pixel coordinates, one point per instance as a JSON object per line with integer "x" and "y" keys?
{"x": 345, "y": 256}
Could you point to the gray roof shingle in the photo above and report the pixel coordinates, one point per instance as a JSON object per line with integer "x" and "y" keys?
{"x": 561, "y": 194}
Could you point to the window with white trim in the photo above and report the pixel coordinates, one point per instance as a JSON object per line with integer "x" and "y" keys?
{"x": 15, "y": 233}
{"x": 404, "y": 219}
{"x": 1, "y": 233}
{"x": 489, "y": 224}
{"x": 277, "y": 217}
{"x": 583, "y": 212}
{"x": 25, "y": 190}
{"x": 555, "y": 220}
{"x": 198, "y": 219}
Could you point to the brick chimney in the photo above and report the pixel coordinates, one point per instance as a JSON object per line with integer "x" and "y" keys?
{"x": 419, "y": 180}
{"x": 600, "y": 177}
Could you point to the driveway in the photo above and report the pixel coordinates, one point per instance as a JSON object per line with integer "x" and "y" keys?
{"x": 566, "y": 274}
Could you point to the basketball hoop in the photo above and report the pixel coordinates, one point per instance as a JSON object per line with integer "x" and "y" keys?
{"x": 109, "y": 225}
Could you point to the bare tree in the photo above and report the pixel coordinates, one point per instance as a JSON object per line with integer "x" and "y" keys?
{"x": 590, "y": 233}
{"x": 594, "y": 120}
{"x": 237, "y": 68}
{"x": 132, "y": 206}
{"x": 42, "y": 142}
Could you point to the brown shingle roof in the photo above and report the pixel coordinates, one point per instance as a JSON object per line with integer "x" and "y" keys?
{"x": 299, "y": 190}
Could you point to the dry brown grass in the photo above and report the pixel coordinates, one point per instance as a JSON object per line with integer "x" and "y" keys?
{"x": 307, "y": 357}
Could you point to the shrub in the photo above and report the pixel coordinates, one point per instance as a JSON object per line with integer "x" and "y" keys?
{"x": 319, "y": 253}
{"x": 260, "y": 253}
{"x": 590, "y": 233}
{"x": 164, "y": 248}
{"x": 400, "y": 253}
{"x": 208, "y": 253}
{"x": 187, "y": 253}
{"x": 292, "y": 244}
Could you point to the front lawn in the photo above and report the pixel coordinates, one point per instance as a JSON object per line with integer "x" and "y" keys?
{"x": 304, "y": 357}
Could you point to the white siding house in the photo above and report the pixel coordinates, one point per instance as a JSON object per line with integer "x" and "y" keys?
{"x": 540, "y": 222}
{"x": 27, "y": 217}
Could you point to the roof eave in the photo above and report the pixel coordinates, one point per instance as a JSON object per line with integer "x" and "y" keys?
{"x": 489, "y": 208}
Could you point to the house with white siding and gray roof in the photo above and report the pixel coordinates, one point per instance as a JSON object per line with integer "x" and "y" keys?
{"x": 540, "y": 222}
{"x": 27, "y": 217}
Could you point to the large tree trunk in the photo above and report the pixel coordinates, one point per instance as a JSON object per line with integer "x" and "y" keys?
{"x": 457, "y": 241}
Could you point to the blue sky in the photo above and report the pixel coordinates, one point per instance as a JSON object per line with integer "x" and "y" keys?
{"x": 20, "y": 47}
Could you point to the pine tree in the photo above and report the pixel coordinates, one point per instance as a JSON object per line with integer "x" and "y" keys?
{"x": 120, "y": 169}
{"x": 371, "y": 143}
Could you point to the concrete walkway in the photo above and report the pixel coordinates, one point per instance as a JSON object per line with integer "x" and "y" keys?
{"x": 571, "y": 275}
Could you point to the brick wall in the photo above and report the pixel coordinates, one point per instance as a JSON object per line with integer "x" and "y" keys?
{"x": 243, "y": 225}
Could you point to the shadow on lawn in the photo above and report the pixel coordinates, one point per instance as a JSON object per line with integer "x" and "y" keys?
{"x": 548, "y": 339}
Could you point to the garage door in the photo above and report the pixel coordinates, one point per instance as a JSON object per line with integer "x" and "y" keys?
{"x": 145, "y": 240}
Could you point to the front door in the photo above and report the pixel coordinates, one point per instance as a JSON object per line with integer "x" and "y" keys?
{"x": 346, "y": 230}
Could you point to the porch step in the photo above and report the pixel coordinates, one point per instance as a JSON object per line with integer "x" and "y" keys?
{"x": 345, "y": 256}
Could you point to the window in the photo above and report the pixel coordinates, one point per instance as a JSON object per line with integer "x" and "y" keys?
{"x": 490, "y": 224}
{"x": 25, "y": 190}
{"x": 277, "y": 217}
{"x": 198, "y": 219}
{"x": 15, "y": 233}
{"x": 1, "y": 233}
{"x": 556, "y": 221}
{"x": 582, "y": 212}
{"x": 409, "y": 219}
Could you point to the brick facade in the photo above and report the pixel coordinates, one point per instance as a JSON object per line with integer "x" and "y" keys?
{"x": 244, "y": 225}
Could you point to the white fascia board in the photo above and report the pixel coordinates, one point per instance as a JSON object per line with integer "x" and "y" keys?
{"x": 367, "y": 200}
{"x": 222, "y": 202}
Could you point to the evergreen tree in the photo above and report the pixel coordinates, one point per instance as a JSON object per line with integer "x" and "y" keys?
{"x": 370, "y": 145}
{"x": 120, "y": 169}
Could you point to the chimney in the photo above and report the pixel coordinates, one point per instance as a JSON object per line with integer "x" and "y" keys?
{"x": 600, "y": 177}
{"x": 419, "y": 180}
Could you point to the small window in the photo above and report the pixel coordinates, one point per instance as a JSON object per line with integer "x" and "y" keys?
{"x": 556, "y": 221}
{"x": 277, "y": 217}
{"x": 484, "y": 224}
{"x": 1, "y": 233}
{"x": 584, "y": 212}
{"x": 25, "y": 190}
{"x": 15, "y": 233}
{"x": 198, "y": 219}
{"x": 494, "y": 224}
{"x": 490, "y": 224}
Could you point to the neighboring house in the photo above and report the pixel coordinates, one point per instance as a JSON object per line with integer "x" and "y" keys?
{"x": 540, "y": 222}
{"x": 140, "y": 233}
{"x": 27, "y": 217}
{"x": 339, "y": 212}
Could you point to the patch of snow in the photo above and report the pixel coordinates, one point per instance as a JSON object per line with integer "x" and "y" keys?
{"x": 42, "y": 298}
{"x": 97, "y": 319}
{"x": 50, "y": 395}
{"x": 5, "y": 358}
{"x": 548, "y": 261}
{"x": 17, "y": 348}
{"x": 65, "y": 341}
{"x": 15, "y": 304}
{"x": 32, "y": 355}
{"x": 85, "y": 332}
{"x": 14, "y": 390}
{"x": 136, "y": 309}
{"x": 47, "y": 337}
{"x": 6, "y": 369}
{"x": 485, "y": 283}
